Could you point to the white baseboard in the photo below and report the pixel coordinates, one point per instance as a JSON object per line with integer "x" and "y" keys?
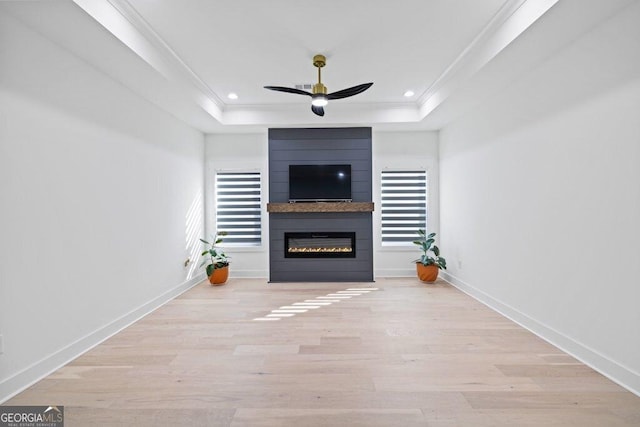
{"x": 34, "y": 373}
{"x": 395, "y": 272}
{"x": 249, "y": 274}
{"x": 616, "y": 372}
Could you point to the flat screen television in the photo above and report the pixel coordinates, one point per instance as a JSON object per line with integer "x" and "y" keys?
{"x": 318, "y": 183}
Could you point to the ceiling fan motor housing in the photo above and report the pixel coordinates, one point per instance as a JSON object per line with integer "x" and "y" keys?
{"x": 319, "y": 88}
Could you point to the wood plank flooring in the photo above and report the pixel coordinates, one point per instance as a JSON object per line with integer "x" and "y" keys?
{"x": 406, "y": 354}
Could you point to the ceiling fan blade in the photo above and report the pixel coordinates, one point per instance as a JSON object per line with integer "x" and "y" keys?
{"x": 317, "y": 110}
{"x": 344, "y": 93}
{"x": 288, "y": 90}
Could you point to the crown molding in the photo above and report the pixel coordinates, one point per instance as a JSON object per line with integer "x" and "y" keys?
{"x": 513, "y": 18}
{"x": 121, "y": 19}
{"x": 299, "y": 114}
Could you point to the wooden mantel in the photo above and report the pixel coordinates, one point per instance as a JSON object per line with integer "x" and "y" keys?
{"x": 320, "y": 207}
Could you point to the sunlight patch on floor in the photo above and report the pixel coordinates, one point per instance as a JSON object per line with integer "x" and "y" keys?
{"x": 320, "y": 302}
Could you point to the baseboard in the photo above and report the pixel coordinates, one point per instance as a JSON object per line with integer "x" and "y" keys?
{"x": 249, "y": 274}
{"x": 34, "y": 373}
{"x": 395, "y": 272}
{"x": 616, "y": 372}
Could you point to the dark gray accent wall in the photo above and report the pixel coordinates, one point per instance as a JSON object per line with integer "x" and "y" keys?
{"x": 317, "y": 147}
{"x": 320, "y": 146}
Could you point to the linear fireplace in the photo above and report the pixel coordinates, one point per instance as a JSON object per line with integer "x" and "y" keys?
{"x": 320, "y": 245}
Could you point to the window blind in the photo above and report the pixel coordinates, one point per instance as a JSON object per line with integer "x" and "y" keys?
{"x": 238, "y": 210}
{"x": 403, "y": 206}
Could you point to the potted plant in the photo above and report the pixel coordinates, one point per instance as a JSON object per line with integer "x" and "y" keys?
{"x": 427, "y": 265}
{"x": 216, "y": 260}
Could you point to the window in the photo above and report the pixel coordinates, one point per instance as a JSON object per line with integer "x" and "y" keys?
{"x": 403, "y": 207}
{"x": 238, "y": 208}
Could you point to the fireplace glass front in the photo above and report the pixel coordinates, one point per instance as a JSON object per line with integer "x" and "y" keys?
{"x": 320, "y": 245}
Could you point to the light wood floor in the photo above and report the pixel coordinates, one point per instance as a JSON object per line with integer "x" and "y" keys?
{"x": 407, "y": 354}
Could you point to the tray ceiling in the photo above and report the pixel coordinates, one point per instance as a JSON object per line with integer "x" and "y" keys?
{"x": 188, "y": 56}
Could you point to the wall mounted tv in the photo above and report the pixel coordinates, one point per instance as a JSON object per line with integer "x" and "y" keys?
{"x": 319, "y": 183}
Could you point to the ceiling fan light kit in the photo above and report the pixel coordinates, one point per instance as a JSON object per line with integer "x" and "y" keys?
{"x": 319, "y": 100}
{"x": 319, "y": 96}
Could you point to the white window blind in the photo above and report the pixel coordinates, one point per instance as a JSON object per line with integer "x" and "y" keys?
{"x": 403, "y": 207}
{"x": 238, "y": 208}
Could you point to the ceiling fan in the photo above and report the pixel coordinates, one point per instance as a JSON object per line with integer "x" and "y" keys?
{"x": 319, "y": 95}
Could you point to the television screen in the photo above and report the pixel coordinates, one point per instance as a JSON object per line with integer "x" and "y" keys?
{"x": 312, "y": 183}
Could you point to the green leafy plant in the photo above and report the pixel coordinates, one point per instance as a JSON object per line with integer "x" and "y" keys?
{"x": 214, "y": 256}
{"x": 426, "y": 242}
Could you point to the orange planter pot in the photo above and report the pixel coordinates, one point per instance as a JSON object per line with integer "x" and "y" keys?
{"x": 427, "y": 273}
{"x": 219, "y": 276}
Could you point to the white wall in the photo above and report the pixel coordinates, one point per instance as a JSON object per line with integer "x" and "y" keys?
{"x": 240, "y": 152}
{"x": 101, "y": 198}
{"x": 540, "y": 198}
{"x": 408, "y": 151}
